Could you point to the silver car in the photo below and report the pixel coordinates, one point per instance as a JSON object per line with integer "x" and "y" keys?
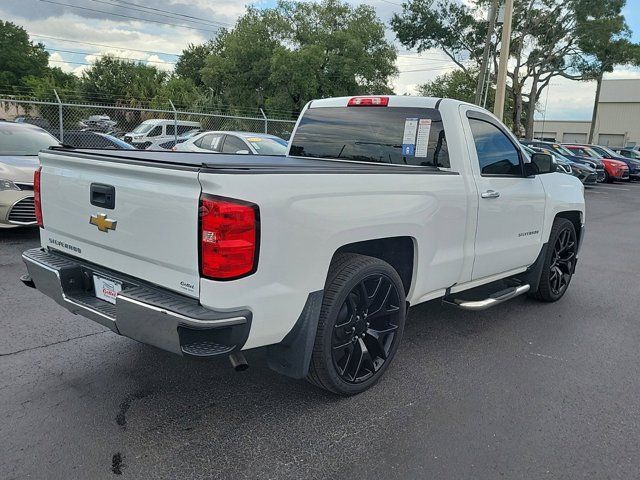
{"x": 243, "y": 143}
{"x": 19, "y": 147}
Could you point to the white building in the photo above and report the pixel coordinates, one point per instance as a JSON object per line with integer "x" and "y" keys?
{"x": 617, "y": 124}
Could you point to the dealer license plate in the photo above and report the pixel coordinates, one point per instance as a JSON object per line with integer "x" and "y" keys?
{"x": 106, "y": 289}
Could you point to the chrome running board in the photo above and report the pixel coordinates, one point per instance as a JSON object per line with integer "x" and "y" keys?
{"x": 493, "y": 300}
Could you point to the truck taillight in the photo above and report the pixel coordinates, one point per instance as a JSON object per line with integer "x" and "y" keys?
{"x": 36, "y": 196}
{"x": 368, "y": 102}
{"x": 229, "y": 237}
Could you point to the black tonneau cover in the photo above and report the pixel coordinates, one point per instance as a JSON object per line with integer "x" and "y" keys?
{"x": 237, "y": 163}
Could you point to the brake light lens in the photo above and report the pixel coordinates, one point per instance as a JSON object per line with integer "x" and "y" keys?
{"x": 229, "y": 236}
{"x": 368, "y": 102}
{"x": 36, "y": 196}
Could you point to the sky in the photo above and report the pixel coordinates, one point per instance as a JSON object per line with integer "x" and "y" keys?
{"x": 76, "y": 32}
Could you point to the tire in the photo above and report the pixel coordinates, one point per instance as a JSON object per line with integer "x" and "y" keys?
{"x": 607, "y": 178}
{"x": 559, "y": 262}
{"x": 358, "y": 333}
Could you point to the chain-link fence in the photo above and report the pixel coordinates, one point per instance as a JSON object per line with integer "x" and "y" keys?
{"x": 108, "y": 126}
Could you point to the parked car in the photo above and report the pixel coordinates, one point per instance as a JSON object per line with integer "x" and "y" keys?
{"x": 628, "y": 152}
{"x": 586, "y": 174}
{"x": 164, "y": 144}
{"x": 555, "y": 147}
{"x": 614, "y": 169}
{"x": 382, "y": 203}
{"x": 41, "y": 122}
{"x": 98, "y": 123}
{"x": 158, "y": 129}
{"x": 86, "y": 139}
{"x": 234, "y": 142}
{"x": 562, "y": 165}
{"x": 19, "y": 147}
{"x": 606, "y": 152}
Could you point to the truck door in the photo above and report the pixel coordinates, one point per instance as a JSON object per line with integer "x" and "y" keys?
{"x": 510, "y": 204}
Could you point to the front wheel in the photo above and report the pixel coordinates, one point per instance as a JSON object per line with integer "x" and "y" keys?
{"x": 360, "y": 326}
{"x": 559, "y": 262}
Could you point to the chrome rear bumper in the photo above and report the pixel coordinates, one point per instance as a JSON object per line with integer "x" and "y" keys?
{"x": 143, "y": 312}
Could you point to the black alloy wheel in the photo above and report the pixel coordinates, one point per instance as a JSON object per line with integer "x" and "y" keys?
{"x": 560, "y": 261}
{"x": 360, "y": 326}
{"x": 365, "y": 328}
{"x": 562, "y": 264}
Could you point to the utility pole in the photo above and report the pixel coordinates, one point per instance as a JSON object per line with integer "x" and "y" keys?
{"x": 501, "y": 82}
{"x": 493, "y": 10}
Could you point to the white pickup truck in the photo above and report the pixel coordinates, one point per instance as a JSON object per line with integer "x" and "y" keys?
{"x": 381, "y": 203}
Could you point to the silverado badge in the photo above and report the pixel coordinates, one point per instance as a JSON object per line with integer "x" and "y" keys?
{"x": 103, "y": 223}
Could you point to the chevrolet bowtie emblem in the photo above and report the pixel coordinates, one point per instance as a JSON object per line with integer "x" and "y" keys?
{"x": 102, "y": 222}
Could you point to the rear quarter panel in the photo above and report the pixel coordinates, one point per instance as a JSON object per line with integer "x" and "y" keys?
{"x": 305, "y": 218}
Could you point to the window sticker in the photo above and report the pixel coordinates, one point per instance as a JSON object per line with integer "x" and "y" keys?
{"x": 409, "y": 136}
{"x": 422, "y": 142}
{"x": 254, "y": 139}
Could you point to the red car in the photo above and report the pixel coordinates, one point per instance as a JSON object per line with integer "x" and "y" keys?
{"x": 613, "y": 169}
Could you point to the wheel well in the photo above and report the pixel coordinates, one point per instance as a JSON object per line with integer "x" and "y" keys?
{"x": 396, "y": 251}
{"x": 574, "y": 217}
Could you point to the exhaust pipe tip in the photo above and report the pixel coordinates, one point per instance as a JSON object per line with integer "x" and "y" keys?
{"x": 27, "y": 281}
{"x": 238, "y": 362}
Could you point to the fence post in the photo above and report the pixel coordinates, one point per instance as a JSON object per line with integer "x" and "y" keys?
{"x": 60, "y": 117}
{"x": 175, "y": 122}
{"x": 266, "y": 121}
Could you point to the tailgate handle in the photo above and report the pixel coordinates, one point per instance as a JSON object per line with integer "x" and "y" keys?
{"x": 103, "y": 196}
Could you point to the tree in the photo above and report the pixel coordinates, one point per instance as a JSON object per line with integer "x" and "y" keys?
{"x": 19, "y": 57}
{"x": 192, "y": 61}
{"x": 280, "y": 58}
{"x": 122, "y": 82}
{"x": 545, "y": 42}
{"x": 605, "y": 41}
{"x": 42, "y": 87}
{"x": 459, "y": 85}
{"x": 182, "y": 92}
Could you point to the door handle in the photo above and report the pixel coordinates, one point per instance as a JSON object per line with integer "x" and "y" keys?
{"x": 490, "y": 194}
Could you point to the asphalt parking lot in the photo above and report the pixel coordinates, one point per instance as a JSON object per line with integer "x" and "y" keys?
{"x": 525, "y": 390}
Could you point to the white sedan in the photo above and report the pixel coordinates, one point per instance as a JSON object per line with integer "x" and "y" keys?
{"x": 234, "y": 142}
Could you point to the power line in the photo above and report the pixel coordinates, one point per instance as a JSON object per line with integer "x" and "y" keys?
{"x": 172, "y": 13}
{"x": 425, "y": 69}
{"x": 109, "y": 55}
{"x": 103, "y": 45}
{"x": 129, "y": 16}
{"x": 172, "y": 16}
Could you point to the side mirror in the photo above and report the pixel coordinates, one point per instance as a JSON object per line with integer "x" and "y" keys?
{"x": 243, "y": 152}
{"x": 540, "y": 163}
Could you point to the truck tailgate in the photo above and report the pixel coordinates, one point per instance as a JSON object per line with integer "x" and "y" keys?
{"x": 151, "y": 232}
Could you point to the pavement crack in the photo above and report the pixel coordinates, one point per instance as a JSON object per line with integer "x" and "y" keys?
{"x": 50, "y": 344}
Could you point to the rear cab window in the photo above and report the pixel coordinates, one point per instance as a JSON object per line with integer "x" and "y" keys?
{"x": 387, "y": 135}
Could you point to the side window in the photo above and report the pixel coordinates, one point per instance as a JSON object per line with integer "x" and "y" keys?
{"x": 171, "y": 129}
{"x": 155, "y": 131}
{"x": 210, "y": 142}
{"x": 496, "y": 154}
{"x": 182, "y": 129}
{"x": 233, "y": 144}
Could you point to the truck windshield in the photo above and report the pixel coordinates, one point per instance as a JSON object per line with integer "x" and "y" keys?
{"x": 143, "y": 128}
{"x": 396, "y": 135}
